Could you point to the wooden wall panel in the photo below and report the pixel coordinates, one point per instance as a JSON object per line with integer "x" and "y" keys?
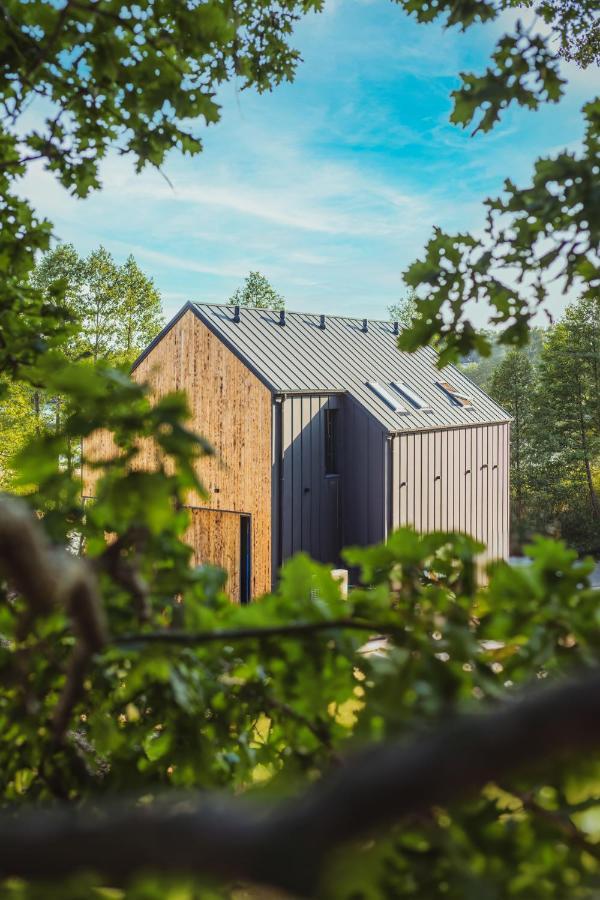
{"x": 230, "y": 407}
{"x": 215, "y": 537}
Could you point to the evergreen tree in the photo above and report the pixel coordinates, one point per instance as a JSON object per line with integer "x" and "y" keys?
{"x": 512, "y": 385}
{"x": 257, "y": 292}
{"x": 565, "y": 429}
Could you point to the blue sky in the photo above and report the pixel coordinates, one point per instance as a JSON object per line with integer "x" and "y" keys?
{"x": 330, "y": 185}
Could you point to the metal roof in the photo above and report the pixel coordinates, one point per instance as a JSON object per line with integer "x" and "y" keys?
{"x": 302, "y": 357}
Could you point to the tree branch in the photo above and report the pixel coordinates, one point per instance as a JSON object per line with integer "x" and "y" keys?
{"x": 294, "y": 629}
{"x": 285, "y": 845}
{"x": 48, "y": 580}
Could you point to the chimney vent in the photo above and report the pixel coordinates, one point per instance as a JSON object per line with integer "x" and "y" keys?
{"x": 282, "y": 316}
{"x": 365, "y": 325}
{"x": 236, "y": 314}
{"x": 396, "y": 329}
{"x": 322, "y": 322}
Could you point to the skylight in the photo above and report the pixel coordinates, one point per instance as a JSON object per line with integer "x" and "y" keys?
{"x": 455, "y": 394}
{"x": 409, "y": 394}
{"x": 387, "y": 398}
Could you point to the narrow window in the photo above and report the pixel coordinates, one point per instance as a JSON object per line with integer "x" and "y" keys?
{"x": 405, "y": 391}
{"x": 331, "y": 442}
{"x": 387, "y": 398}
{"x": 245, "y": 560}
{"x": 456, "y": 395}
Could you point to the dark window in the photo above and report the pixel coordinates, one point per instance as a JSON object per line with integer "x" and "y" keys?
{"x": 245, "y": 559}
{"x": 331, "y": 442}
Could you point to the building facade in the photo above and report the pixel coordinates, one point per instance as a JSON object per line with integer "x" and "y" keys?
{"x": 326, "y": 435}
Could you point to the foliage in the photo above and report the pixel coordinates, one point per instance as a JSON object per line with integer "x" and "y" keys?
{"x": 481, "y": 369}
{"x": 257, "y": 292}
{"x": 261, "y": 715}
{"x": 546, "y": 232}
{"x": 271, "y": 713}
{"x": 19, "y": 419}
{"x": 555, "y": 430}
{"x": 115, "y": 312}
{"x": 577, "y": 23}
{"x": 133, "y": 76}
{"x": 512, "y": 385}
{"x": 566, "y": 425}
{"x": 116, "y": 309}
{"x": 404, "y": 310}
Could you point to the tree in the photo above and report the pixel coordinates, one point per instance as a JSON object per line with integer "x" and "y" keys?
{"x": 512, "y": 385}
{"x": 140, "y": 310}
{"x": 138, "y": 77}
{"x": 20, "y": 417}
{"x": 578, "y": 24}
{"x": 257, "y": 292}
{"x": 116, "y": 309}
{"x": 565, "y": 424}
{"x": 404, "y": 310}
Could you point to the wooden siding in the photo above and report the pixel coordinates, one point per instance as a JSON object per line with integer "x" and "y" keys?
{"x": 310, "y": 500}
{"x": 454, "y": 480}
{"x": 230, "y": 407}
{"x": 215, "y": 535}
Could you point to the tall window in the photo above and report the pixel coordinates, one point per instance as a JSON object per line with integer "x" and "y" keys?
{"x": 331, "y": 442}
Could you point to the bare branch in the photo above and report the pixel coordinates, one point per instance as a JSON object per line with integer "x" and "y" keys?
{"x": 49, "y": 579}
{"x": 222, "y": 635}
{"x": 285, "y": 845}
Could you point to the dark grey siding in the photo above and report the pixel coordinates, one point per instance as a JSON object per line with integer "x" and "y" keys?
{"x": 365, "y": 476}
{"x": 310, "y": 502}
{"x": 454, "y": 480}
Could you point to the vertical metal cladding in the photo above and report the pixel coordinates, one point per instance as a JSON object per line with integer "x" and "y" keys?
{"x": 454, "y": 480}
{"x": 311, "y": 500}
{"x": 366, "y": 474}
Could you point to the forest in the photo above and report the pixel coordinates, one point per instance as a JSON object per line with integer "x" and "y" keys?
{"x": 551, "y": 390}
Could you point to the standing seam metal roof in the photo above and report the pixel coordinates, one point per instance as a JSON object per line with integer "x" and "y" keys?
{"x": 300, "y": 356}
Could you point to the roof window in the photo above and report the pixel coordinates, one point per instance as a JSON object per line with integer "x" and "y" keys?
{"x": 456, "y": 395}
{"x": 409, "y": 394}
{"x": 387, "y": 398}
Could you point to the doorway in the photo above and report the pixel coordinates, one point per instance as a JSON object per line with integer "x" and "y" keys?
{"x": 224, "y": 538}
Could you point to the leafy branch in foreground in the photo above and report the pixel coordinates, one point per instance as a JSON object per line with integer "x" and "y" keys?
{"x": 261, "y": 703}
{"x": 286, "y": 845}
{"x": 134, "y": 77}
{"x": 547, "y": 232}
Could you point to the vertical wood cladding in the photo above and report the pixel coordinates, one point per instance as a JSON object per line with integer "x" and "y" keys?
{"x": 454, "y": 480}
{"x": 215, "y": 536}
{"x": 232, "y": 409}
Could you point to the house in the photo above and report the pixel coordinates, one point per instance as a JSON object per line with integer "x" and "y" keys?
{"x": 326, "y": 435}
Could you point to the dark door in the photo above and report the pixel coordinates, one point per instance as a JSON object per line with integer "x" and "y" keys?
{"x": 245, "y": 559}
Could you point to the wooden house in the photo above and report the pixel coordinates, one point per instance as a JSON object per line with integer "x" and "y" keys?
{"x": 326, "y": 435}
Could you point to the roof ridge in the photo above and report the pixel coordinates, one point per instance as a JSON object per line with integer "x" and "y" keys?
{"x": 296, "y": 312}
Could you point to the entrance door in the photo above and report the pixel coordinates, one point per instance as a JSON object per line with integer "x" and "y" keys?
{"x": 224, "y": 539}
